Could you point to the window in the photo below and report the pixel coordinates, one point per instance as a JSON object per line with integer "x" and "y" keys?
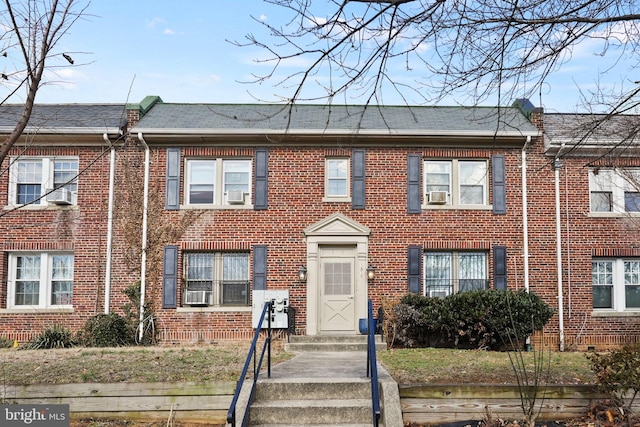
{"x": 614, "y": 190}
{"x": 216, "y": 278}
{"x": 616, "y": 284}
{"x": 455, "y": 182}
{"x": 449, "y": 272}
{"x": 40, "y": 280}
{"x": 337, "y": 178}
{"x": 218, "y": 182}
{"x": 32, "y": 178}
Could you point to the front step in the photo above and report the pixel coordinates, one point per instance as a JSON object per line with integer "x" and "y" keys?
{"x": 315, "y": 343}
{"x": 337, "y": 402}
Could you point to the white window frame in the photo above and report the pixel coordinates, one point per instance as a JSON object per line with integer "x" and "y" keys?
{"x": 218, "y": 280}
{"x": 455, "y": 272}
{"x": 455, "y": 184}
{"x": 328, "y": 178}
{"x": 617, "y": 183}
{"x": 45, "y": 281}
{"x": 618, "y": 283}
{"x": 47, "y": 182}
{"x": 218, "y": 180}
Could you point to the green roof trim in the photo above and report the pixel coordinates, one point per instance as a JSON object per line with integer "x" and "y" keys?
{"x": 146, "y": 104}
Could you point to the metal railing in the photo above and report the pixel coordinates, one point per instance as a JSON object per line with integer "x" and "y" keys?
{"x": 257, "y": 364}
{"x": 372, "y": 367}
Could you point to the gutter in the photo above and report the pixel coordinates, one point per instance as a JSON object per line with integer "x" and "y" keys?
{"x": 107, "y": 275}
{"x": 143, "y": 266}
{"x": 557, "y": 164}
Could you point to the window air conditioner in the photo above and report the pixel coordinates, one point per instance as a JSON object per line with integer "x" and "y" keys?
{"x": 437, "y": 197}
{"x": 197, "y": 298}
{"x": 59, "y": 196}
{"x": 235, "y": 197}
{"x": 438, "y": 294}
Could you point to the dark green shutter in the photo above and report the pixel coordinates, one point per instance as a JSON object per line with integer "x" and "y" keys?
{"x": 260, "y": 267}
{"x": 260, "y": 177}
{"x": 358, "y": 178}
{"x": 170, "y": 277}
{"x": 500, "y": 267}
{"x": 414, "y": 263}
{"x": 414, "y": 198}
{"x": 172, "y": 201}
{"x": 499, "y": 184}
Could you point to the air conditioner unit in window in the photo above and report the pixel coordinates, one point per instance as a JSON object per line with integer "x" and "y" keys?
{"x": 235, "y": 197}
{"x": 438, "y": 294}
{"x": 60, "y": 196}
{"x": 437, "y": 197}
{"x": 197, "y": 298}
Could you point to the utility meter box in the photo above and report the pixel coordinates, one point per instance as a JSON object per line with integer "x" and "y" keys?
{"x": 279, "y": 309}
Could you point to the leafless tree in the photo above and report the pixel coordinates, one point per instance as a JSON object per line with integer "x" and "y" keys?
{"x": 495, "y": 50}
{"x": 30, "y": 31}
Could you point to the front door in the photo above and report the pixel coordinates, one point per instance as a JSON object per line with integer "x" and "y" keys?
{"x": 337, "y": 289}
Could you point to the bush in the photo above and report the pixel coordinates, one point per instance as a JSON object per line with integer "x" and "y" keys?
{"x": 617, "y": 372}
{"x": 55, "y": 336}
{"x": 5, "y": 342}
{"x": 489, "y": 319}
{"x": 107, "y": 330}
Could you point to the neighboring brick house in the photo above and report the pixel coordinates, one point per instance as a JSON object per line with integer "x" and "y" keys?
{"x": 245, "y": 198}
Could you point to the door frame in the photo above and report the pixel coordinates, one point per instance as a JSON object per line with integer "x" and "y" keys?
{"x": 336, "y": 230}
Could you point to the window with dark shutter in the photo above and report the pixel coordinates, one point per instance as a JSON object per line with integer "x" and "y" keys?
{"x": 358, "y": 178}
{"x": 500, "y": 267}
{"x": 499, "y": 184}
{"x": 261, "y": 174}
{"x": 413, "y": 184}
{"x": 259, "y": 267}
{"x": 170, "y": 277}
{"x": 414, "y": 263}
{"x": 172, "y": 201}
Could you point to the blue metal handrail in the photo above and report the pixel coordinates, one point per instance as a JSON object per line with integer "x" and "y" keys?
{"x": 231, "y": 415}
{"x": 372, "y": 367}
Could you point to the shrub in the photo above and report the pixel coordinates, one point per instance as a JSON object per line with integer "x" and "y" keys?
{"x": 489, "y": 319}
{"x": 617, "y": 372}
{"x": 55, "y": 336}
{"x": 5, "y": 342}
{"x": 107, "y": 330}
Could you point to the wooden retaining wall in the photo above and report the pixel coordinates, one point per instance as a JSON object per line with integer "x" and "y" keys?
{"x": 190, "y": 402}
{"x": 433, "y": 404}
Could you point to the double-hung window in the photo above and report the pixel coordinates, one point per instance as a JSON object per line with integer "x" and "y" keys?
{"x": 337, "y": 182}
{"x": 216, "y": 278}
{"x": 456, "y": 182}
{"x": 40, "y": 280}
{"x": 616, "y": 284}
{"x": 449, "y": 272}
{"x": 43, "y": 180}
{"x": 614, "y": 190}
{"x": 218, "y": 182}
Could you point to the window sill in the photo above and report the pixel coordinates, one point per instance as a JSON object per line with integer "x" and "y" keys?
{"x": 336, "y": 200}
{"x": 613, "y": 313}
{"x": 35, "y": 310}
{"x": 614, "y": 214}
{"x": 212, "y": 309}
{"x": 458, "y": 207}
{"x": 49, "y": 207}
{"x": 217, "y": 207}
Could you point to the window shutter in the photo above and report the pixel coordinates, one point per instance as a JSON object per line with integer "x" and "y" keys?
{"x": 499, "y": 184}
{"x": 500, "y": 267}
{"x": 170, "y": 277}
{"x": 358, "y": 178}
{"x": 260, "y": 176}
{"x": 413, "y": 184}
{"x": 260, "y": 267}
{"x": 414, "y": 268}
{"x": 172, "y": 201}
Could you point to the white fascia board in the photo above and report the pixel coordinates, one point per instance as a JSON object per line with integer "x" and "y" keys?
{"x": 64, "y": 131}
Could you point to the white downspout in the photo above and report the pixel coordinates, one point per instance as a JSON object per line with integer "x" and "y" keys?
{"x": 525, "y": 218}
{"x": 557, "y": 164}
{"x": 112, "y": 178}
{"x": 143, "y": 267}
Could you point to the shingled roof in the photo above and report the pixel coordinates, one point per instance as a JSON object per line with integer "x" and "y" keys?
{"x": 220, "y": 119}
{"x": 66, "y": 118}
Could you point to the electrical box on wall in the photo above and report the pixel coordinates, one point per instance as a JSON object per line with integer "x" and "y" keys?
{"x": 279, "y": 309}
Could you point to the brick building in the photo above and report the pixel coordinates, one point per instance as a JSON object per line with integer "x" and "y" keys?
{"x": 325, "y": 207}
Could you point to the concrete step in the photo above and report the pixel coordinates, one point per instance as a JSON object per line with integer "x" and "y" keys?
{"x": 306, "y": 412}
{"x": 314, "y": 425}
{"x": 300, "y": 343}
{"x": 312, "y": 389}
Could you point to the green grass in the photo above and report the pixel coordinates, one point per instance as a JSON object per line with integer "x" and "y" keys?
{"x": 447, "y": 366}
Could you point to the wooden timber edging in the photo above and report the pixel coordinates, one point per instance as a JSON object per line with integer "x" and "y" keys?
{"x": 434, "y": 404}
{"x": 188, "y": 401}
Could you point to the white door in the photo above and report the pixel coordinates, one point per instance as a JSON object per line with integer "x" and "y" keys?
{"x": 337, "y": 289}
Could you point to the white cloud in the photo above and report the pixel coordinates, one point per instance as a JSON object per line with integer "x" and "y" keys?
{"x": 154, "y": 21}
{"x": 263, "y": 17}
{"x": 169, "y": 32}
